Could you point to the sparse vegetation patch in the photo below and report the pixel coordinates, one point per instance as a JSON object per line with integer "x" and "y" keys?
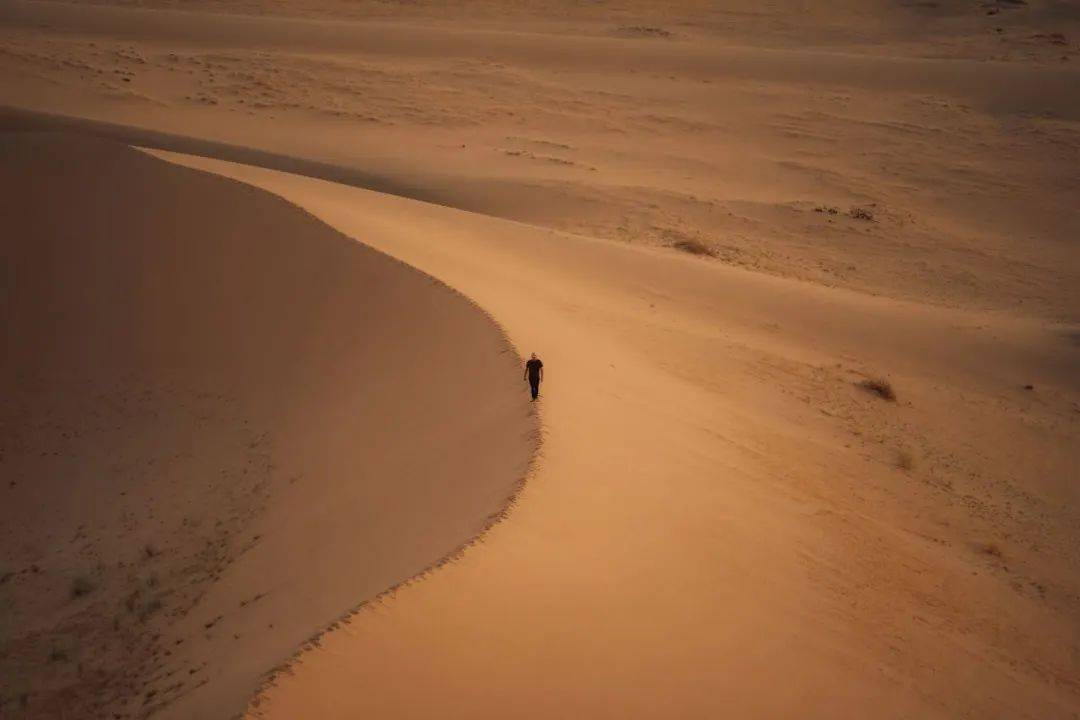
{"x": 82, "y": 586}
{"x": 905, "y": 460}
{"x": 694, "y": 247}
{"x": 645, "y": 31}
{"x": 880, "y": 387}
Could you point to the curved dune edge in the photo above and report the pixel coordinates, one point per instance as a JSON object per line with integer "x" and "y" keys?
{"x": 271, "y": 425}
{"x": 719, "y": 523}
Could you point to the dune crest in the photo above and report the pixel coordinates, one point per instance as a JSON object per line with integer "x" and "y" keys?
{"x": 727, "y": 517}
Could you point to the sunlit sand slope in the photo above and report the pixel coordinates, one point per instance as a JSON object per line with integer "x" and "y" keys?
{"x": 723, "y": 520}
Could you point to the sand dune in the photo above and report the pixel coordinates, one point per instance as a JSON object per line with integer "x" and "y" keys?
{"x": 715, "y": 222}
{"x": 224, "y": 426}
{"x": 966, "y": 161}
{"x": 722, "y": 521}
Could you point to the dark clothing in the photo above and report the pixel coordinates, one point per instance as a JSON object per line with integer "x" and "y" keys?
{"x": 532, "y": 367}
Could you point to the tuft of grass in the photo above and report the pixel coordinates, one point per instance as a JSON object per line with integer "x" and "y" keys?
{"x": 150, "y": 607}
{"x": 58, "y": 654}
{"x": 645, "y": 31}
{"x": 141, "y": 603}
{"x": 82, "y": 586}
{"x": 132, "y": 600}
{"x": 880, "y": 387}
{"x": 694, "y": 247}
{"x": 905, "y": 460}
{"x": 861, "y": 213}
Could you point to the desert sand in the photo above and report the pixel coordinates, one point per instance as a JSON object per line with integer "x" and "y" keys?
{"x": 716, "y": 224}
{"x": 218, "y": 423}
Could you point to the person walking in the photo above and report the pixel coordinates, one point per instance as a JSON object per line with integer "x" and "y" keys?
{"x": 534, "y": 373}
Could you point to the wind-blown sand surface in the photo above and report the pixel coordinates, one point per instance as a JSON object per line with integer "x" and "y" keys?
{"x": 721, "y": 521}
{"x": 714, "y": 224}
{"x": 224, "y": 426}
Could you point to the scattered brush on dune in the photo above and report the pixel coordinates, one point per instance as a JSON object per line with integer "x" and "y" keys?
{"x": 81, "y": 586}
{"x": 644, "y": 31}
{"x": 694, "y": 247}
{"x": 992, "y": 549}
{"x": 880, "y": 387}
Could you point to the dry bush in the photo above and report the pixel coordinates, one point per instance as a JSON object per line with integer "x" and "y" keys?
{"x": 694, "y": 247}
{"x": 880, "y": 387}
{"x": 861, "y": 213}
{"x": 141, "y": 602}
{"x": 81, "y": 586}
{"x": 645, "y": 31}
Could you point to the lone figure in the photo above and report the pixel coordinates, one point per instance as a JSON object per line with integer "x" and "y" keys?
{"x": 534, "y": 372}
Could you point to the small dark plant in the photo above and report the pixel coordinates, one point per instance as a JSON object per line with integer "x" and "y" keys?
{"x": 880, "y": 387}
{"x": 694, "y": 247}
{"x": 82, "y": 586}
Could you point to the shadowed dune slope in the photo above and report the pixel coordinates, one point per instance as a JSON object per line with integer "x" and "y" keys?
{"x": 222, "y": 426}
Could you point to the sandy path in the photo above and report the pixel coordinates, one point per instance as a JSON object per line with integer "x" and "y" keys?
{"x": 717, "y": 522}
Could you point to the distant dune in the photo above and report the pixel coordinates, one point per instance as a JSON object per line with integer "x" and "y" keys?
{"x": 224, "y": 426}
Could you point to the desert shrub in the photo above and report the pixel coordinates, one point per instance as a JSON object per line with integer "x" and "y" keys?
{"x": 141, "y": 602}
{"x": 645, "y": 31}
{"x": 880, "y": 387}
{"x": 81, "y": 586}
{"x": 694, "y": 247}
{"x": 861, "y": 213}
